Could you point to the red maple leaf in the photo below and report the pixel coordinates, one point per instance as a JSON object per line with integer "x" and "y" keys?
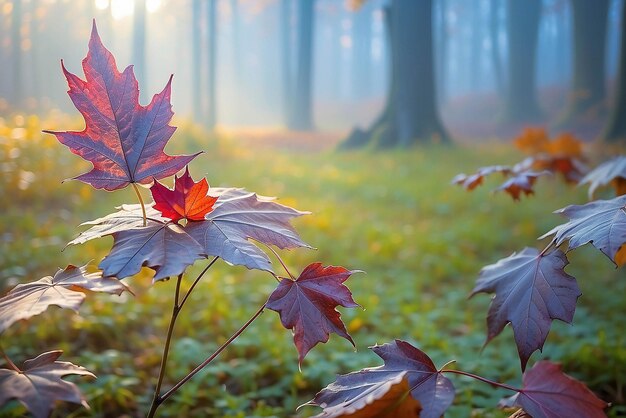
{"x": 531, "y": 290}
{"x": 547, "y": 392}
{"x": 122, "y": 139}
{"x": 188, "y": 199}
{"x": 307, "y": 305}
{"x": 521, "y": 183}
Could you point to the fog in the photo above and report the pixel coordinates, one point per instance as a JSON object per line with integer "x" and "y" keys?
{"x": 256, "y": 52}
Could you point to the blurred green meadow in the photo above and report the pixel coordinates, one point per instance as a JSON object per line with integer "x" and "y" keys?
{"x": 394, "y": 215}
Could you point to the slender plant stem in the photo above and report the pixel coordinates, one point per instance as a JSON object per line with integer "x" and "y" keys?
{"x": 210, "y": 358}
{"x": 281, "y": 262}
{"x": 9, "y": 362}
{"x": 195, "y": 282}
{"x": 545, "y": 250}
{"x": 482, "y": 379}
{"x": 143, "y": 206}
{"x": 166, "y": 349}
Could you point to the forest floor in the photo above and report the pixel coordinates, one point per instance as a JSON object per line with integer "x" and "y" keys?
{"x": 394, "y": 215}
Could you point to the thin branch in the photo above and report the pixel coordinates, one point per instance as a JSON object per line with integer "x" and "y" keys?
{"x": 482, "y": 379}
{"x": 281, "y": 262}
{"x": 210, "y": 358}
{"x": 9, "y": 362}
{"x": 196, "y": 282}
{"x": 143, "y": 206}
{"x": 166, "y": 349}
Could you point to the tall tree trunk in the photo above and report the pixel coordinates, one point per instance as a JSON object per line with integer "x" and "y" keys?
{"x": 303, "y": 100}
{"x": 211, "y": 21}
{"x": 410, "y": 115}
{"x": 494, "y": 36}
{"x": 17, "y": 92}
{"x": 441, "y": 51}
{"x": 616, "y": 127}
{"x": 286, "y": 60}
{"x": 139, "y": 47}
{"x": 416, "y": 117}
{"x": 361, "y": 51}
{"x": 34, "y": 54}
{"x": 236, "y": 40}
{"x": 196, "y": 60}
{"x": 590, "y": 30}
{"x": 523, "y": 29}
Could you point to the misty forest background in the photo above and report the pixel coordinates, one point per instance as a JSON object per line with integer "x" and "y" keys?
{"x": 361, "y": 112}
{"x": 330, "y": 65}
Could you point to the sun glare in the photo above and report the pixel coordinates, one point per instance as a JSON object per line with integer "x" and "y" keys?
{"x": 122, "y": 8}
{"x": 102, "y": 4}
{"x": 152, "y": 6}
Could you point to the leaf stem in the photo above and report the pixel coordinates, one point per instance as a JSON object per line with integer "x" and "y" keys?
{"x": 182, "y": 302}
{"x": 483, "y": 379}
{"x": 143, "y": 206}
{"x": 166, "y": 349}
{"x": 209, "y": 359}
{"x": 9, "y": 362}
{"x": 281, "y": 261}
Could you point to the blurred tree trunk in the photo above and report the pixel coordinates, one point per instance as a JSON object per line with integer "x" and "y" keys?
{"x": 196, "y": 60}
{"x": 441, "y": 51}
{"x": 139, "y": 47}
{"x": 236, "y": 39}
{"x": 590, "y": 29}
{"x": 361, "y": 51}
{"x": 494, "y": 36}
{"x": 211, "y": 67}
{"x": 523, "y": 29}
{"x": 302, "y": 100}
{"x": 476, "y": 39}
{"x": 16, "y": 57}
{"x": 616, "y": 127}
{"x": 285, "y": 60}
{"x": 410, "y": 115}
{"x": 35, "y": 43}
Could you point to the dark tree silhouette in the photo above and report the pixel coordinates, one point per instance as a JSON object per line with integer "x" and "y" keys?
{"x": 590, "y": 29}
{"x": 410, "y": 115}
{"x": 520, "y": 103}
{"x": 616, "y": 127}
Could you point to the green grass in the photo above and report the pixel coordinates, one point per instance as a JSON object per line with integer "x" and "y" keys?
{"x": 420, "y": 240}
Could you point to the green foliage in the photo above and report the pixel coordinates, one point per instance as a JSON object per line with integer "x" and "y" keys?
{"x": 393, "y": 215}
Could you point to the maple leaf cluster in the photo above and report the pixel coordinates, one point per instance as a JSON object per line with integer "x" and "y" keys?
{"x": 408, "y": 385}
{"x": 563, "y": 155}
{"x": 124, "y": 141}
